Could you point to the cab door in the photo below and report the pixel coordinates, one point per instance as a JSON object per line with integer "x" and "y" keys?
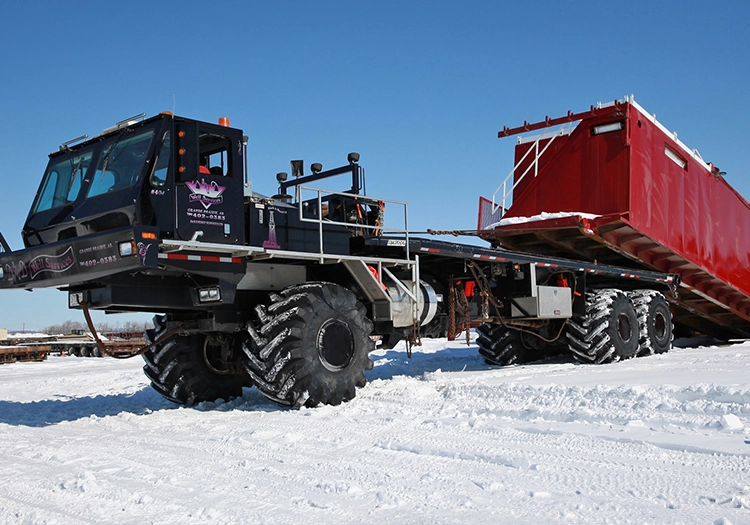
{"x": 209, "y": 194}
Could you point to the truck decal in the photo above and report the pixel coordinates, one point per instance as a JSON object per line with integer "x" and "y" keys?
{"x": 207, "y": 193}
{"x": 207, "y": 218}
{"x": 271, "y": 241}
{"x": 21, "y": 271}
{"x": 107, "y": 259}
{"x": 143, "y": 251}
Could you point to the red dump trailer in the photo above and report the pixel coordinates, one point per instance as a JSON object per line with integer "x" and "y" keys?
{"x": 613, "y": 185}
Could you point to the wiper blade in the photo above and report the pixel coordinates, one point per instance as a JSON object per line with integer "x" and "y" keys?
{"x": 105, "y": 159}
{"x": 74, "y": 174}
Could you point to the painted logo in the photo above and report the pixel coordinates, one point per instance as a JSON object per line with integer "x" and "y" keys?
{"x": 40, "y": 264}
{"x": 207, "y": 193}
{"x": 52, "y": 263}
{"x": 143, "y": 251}
{"x": 271, "y": 242}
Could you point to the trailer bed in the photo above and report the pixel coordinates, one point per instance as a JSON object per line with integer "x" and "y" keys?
{"x": 15, "y": 354}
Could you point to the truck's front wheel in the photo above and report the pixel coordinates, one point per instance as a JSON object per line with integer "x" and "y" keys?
{"x": 181, "y": 371}
{"x": 315, "y": 346}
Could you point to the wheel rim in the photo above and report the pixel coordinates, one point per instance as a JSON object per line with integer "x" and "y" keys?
{"x": 335, "y": 344}
{"x": 660, "y": 326}
{"x": 624, "y": 328}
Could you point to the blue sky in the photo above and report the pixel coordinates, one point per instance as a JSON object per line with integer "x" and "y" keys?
{"x": 419, "y": 89}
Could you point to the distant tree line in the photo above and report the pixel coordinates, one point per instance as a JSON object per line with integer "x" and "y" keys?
{"x": 68, "y": 327}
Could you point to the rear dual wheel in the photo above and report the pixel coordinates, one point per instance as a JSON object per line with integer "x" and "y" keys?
{"x": 619, "y": 325}
{"x": 501, "y": 345}
{"x": 609, "y": 330}
{"x": 655, "y": 321}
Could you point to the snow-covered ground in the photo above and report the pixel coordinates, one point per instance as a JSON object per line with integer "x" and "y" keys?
{"x": 442, "y": 438}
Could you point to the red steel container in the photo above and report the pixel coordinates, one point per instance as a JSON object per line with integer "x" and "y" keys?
{"x": 620, "y": 188}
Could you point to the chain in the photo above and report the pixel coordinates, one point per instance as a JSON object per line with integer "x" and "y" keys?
{"x": 467, "y": 316}
{"x": 451, "y": 311}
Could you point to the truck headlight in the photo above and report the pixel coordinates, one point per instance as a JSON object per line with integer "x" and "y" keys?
{"x": 127, "y": 248}
{"x": 75, "y": 299}
{"x": 209, "y": 294}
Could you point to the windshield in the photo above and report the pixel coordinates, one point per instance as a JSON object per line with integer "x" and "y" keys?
{"x": 121, "y": 160}
{"x": 63, "y": 181}
{"x": 121, "y": 163}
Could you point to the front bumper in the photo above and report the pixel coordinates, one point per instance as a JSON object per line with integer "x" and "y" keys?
{"x": 80, "y": 260}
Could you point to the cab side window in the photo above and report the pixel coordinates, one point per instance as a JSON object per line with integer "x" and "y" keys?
{"x": 62, "y": 182}
{"x": 161, "y": 170}
{"x": 214, "y": 157}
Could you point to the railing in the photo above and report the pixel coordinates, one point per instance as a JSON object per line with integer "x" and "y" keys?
{"x": 508, "y": 193}
{"x": 304, "y": 214}
{"x": 380, "y": 270}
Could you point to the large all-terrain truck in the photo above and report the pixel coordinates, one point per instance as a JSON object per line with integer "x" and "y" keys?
{"x": 289, "y": 293}
{"x": 613, "y": 185}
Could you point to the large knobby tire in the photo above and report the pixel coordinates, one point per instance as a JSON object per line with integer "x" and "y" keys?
{"x": 500, "y": 345}
{"x": 608, "y": 331}
{"x": 312, "y": 347}
{"x": 654, "y": 320}
{"x": 179, "y": 371}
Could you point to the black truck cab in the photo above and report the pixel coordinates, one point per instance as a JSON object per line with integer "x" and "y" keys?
{"x": 117, "y": 208}
{"x": 180, "y": 175}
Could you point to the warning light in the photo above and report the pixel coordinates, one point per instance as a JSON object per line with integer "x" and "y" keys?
{"x": 224, "y": 121}
{"x": 148, "y": 235}
{"x": 181, "y": 134}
